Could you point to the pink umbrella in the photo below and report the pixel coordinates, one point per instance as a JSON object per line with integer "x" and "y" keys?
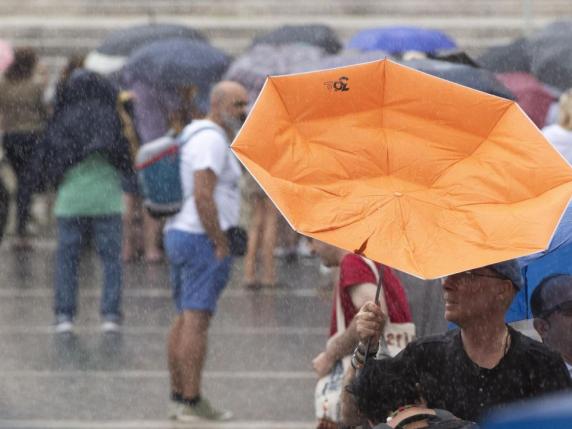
{"x": 530, "y": 94}
{"x": 6, "y": 55}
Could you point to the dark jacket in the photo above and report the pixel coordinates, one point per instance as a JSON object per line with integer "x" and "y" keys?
{"x": 85, "y": 121}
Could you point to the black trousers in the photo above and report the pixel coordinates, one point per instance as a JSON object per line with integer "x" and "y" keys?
{"x": 19, "y": 148}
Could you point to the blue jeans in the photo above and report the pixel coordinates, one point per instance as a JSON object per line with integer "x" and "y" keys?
{"x": 106, "y": 232}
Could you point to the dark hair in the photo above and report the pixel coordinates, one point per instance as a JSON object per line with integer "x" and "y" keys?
{"x": 383, "y": 386}
{"x": 537, "y": 298}
{"x": 22, "y": 68}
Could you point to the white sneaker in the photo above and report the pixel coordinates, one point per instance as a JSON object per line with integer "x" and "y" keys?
{"x": 110, "y": 326}
{"x": 64, "y": 326}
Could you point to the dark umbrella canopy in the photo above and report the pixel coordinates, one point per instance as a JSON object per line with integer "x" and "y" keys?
{"x": 252, "y": 68}
{"x": 171, "y": 64}
{"x": 476, "y": 78}
{"x": 508, "y": 58}
{"x": 399, "y": 39}
{"x": 125, "y": 41}
{"x": 552, "y": 61}
{"x": 321, "y": 36}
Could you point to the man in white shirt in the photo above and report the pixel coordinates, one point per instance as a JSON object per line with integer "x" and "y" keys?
{"x": 197, "y": 246}
{"x": 551, "y": 304}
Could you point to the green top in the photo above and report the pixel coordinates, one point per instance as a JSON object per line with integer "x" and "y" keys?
{"x": 91, "y": 188}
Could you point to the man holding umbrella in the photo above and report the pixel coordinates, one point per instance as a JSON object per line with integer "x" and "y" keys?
{"x": 197, "y": 247}
{"x": 483, "y": 364}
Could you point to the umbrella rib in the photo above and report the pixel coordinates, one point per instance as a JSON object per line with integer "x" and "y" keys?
{"x": 280, "y": 97}
{"x": 476, "y": 148}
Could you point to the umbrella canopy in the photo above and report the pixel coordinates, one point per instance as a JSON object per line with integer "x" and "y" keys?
{"x": 6, "y": 55}
{"x": 423, "y": 175}
{"x": 546, "y": 54}
{"x": 318, "y": 35}
{"x": 169, "y": 64}
{"x": 125, "y": 41}
{"x": 401, "y": 39}
{"x": 553, "y": 260}
{"x": 530, "y": 94}
{"x": 252, "y": 68}
{"x": 552, "y": 62}
{"x": 507, "y": 58}
{"x": 549, "y": 412}
{"x": 112, "y": 54}
{"x": 349, "y": 57}
{"x": 476, "y": 78}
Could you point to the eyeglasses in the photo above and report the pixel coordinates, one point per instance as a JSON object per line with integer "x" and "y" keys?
{"x": 565, "y": 308}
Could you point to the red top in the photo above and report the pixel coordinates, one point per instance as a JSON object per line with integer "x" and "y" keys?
{"x": 354, "y": 271}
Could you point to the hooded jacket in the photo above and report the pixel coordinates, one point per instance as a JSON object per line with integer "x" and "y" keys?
{"x": 85, "y": 121}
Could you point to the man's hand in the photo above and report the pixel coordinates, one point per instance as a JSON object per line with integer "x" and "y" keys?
{"x": 221, "y": 248}
{"x": 370, "y": 321}
{"x": 323, "y": 364}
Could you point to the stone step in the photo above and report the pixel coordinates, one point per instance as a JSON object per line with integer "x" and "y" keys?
{"x": 291, "y": 8}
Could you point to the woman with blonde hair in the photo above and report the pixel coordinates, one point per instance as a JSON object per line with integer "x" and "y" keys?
{"x": 560, "y": 134}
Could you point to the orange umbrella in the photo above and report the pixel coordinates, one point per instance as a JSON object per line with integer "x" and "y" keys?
{"x": 413, "y": 171}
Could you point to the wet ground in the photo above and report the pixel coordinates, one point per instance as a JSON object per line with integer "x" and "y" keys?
{"x": 260, "y": 347}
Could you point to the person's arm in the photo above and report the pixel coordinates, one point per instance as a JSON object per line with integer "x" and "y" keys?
{"x": 204, "y": 184}
{"x": 348, "y": 407}
{"x": 369, "y": 324}
{"x": 337, "y": 347}
{"x": 341, "y": 345}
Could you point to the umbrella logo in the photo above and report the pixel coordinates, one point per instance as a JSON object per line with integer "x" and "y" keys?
{"x": 339, "y": 85}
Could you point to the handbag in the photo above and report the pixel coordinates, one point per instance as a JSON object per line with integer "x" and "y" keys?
{"x": 327, "y": 395}
{"x": 396, "y": 335}
{"x": 237, "y": 240}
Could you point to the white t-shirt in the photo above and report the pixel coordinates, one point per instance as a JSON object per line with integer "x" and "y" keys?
{"x": 208, "y": 149}
{"x": 561, "y": 139}
{"x": 569, "y": 366}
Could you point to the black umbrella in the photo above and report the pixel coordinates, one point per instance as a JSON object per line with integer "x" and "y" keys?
{"x": 125, "y": 41}
{"x": 552, "y": 62}
{"x": 513, "y": 57}
{"x": 318, "y": 35}
{"x": 476, "y": 78}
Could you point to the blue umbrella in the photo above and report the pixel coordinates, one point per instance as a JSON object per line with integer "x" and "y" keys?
{"x": 401, "y": 39}
{"x": 550, "y": 412}
{"x": 554, "y": 260}
{"x": 169, "y": 64}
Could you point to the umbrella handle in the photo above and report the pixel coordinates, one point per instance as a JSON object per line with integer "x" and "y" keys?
{"x": 377, "y": 292}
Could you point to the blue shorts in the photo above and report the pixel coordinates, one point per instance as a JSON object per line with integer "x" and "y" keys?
{"x": 197, "y": 276}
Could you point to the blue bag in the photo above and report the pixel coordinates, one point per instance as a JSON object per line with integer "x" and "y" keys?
{"x": 159, "y": 173}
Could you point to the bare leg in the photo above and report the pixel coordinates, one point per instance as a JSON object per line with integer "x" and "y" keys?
{"x": 151, "y": 232}
{"x": 192, "y": 350}
{"x": 268, "y": 242}
{"x": 129, "y": 238}
{"x": 174, "y": 366}
{"x": 254, "y": 230}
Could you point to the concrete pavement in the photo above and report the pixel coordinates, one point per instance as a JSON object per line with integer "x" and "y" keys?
{"x": 260, "y": 350}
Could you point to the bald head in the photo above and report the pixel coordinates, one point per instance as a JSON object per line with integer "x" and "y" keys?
{"x": 228, "y": 106}
{"x": 227, "y": 89}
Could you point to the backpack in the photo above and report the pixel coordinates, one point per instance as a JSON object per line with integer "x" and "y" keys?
{"x": 159, "y": 172}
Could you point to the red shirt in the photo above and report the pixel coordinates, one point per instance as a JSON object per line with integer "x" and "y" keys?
{"x": 355, "y": 271}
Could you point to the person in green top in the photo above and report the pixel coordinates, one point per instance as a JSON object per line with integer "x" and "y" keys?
{"x": 89, "y": 152}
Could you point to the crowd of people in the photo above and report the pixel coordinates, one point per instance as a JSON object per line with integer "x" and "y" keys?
{"x": 83, "y": 140}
